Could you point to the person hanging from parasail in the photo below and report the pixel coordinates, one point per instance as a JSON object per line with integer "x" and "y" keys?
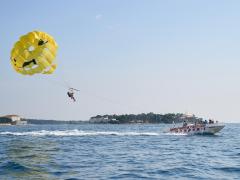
{"x": 70, "y": 93}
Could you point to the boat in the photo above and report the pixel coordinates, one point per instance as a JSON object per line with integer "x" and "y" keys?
{"x": 198, "y": 129}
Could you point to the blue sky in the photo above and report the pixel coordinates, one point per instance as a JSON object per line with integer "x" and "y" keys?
{"x": 126, "y": 57}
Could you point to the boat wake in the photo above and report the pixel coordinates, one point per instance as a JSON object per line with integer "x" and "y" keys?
{"x": 77, "y": 132}
{"x": 175, "y": 134}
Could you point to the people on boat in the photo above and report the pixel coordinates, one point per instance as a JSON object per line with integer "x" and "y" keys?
{"x": 211, "y": 121}
{"x": 198, "y": 127}
{"x": 184, "y": 123}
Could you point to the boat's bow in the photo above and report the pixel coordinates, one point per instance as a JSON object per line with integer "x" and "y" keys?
{"x": 213, "y": 128}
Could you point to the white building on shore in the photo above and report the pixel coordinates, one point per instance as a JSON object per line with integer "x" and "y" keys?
{"x": 12, "y": 120}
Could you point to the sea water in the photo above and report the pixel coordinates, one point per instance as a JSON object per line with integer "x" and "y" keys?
{"x": 91, "y": 151}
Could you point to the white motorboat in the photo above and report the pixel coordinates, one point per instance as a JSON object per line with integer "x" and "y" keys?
{"x": 201, "y": 129}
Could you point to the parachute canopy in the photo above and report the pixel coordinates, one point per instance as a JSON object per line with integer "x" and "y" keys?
{"x": 34, "y": 53}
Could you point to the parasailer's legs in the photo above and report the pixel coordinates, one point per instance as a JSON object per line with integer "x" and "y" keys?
{"x": 73, "y": 98}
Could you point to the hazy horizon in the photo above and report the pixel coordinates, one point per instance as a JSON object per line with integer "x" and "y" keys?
{"x": 126, "y": 57}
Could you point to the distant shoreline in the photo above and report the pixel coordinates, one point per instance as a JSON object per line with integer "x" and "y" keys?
{"x": 145, "y": 118}
{"x": 149, "y": 118}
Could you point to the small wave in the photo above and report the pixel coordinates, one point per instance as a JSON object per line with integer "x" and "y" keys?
{"x": 229, "y": 169}
{"x": 76, "y": 132}
{"x": 13, "y": 166}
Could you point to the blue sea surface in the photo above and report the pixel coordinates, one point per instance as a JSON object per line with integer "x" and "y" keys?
{"x": 91, "y": 151}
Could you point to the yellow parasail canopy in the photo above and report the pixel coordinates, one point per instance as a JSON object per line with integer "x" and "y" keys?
{"x": 34, "y": 53}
